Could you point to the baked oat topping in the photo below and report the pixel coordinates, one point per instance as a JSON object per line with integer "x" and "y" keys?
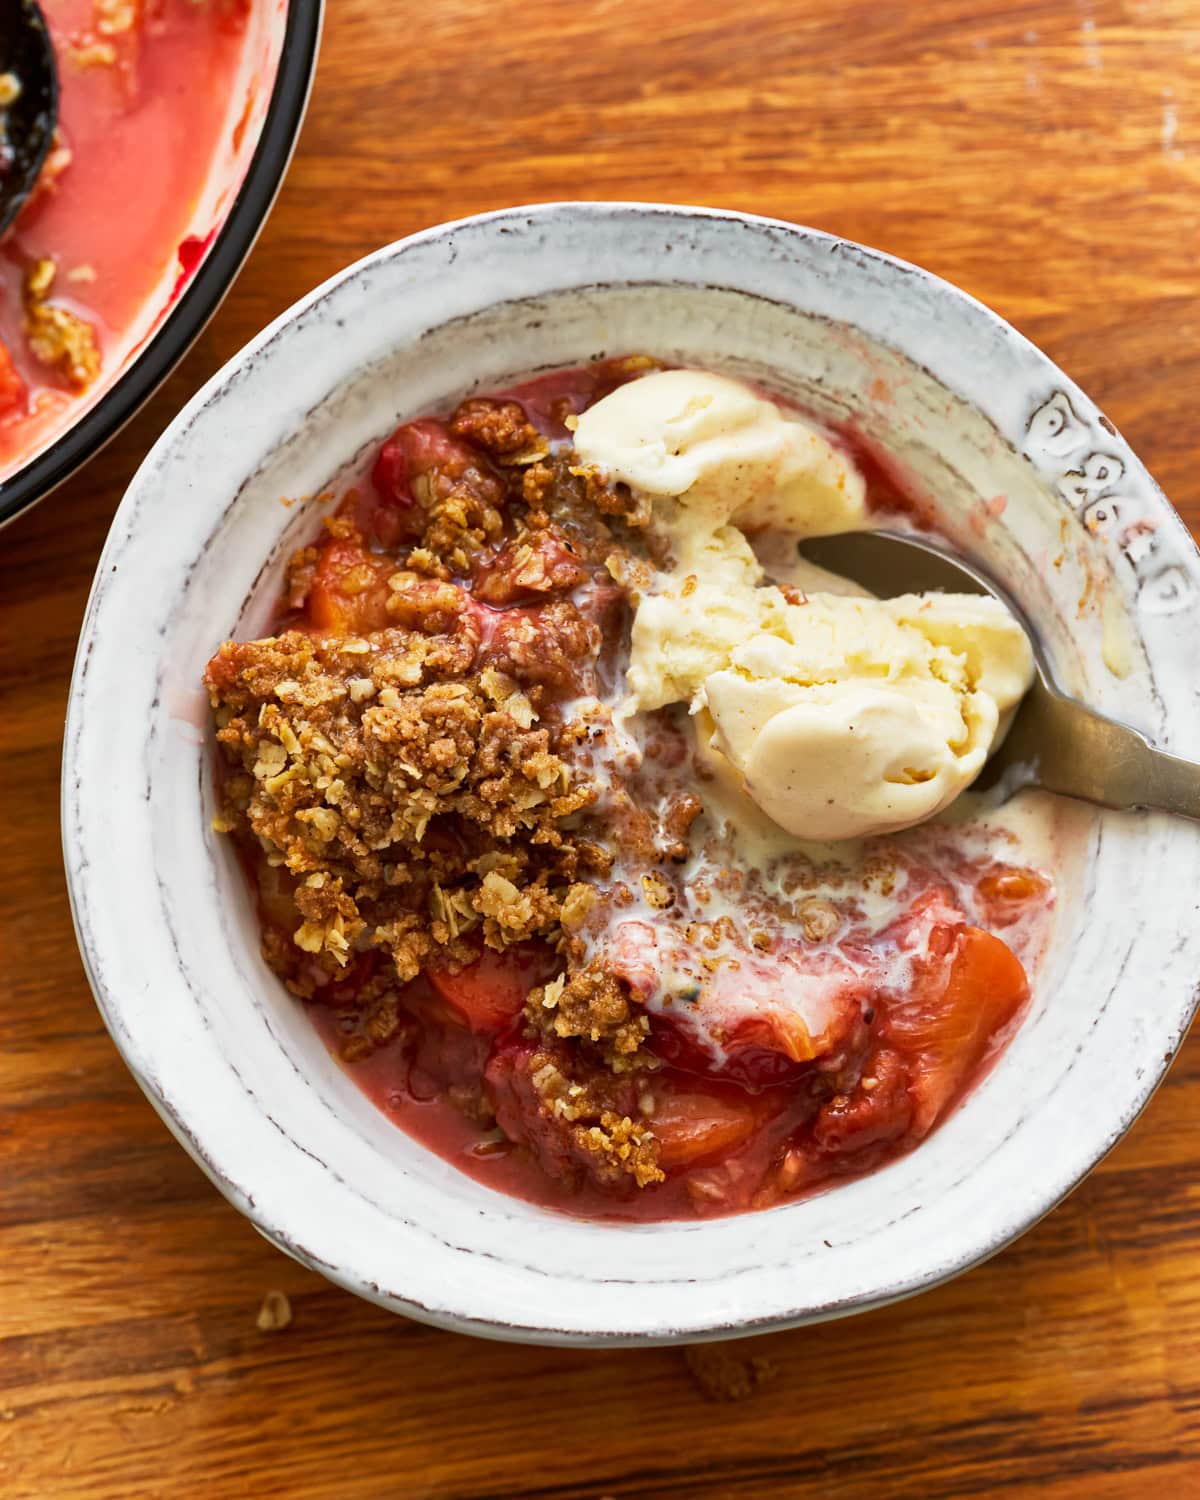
{"x": 391, "y": 781}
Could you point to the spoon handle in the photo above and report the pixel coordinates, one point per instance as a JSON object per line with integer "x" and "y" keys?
{"x": 1059, "y": 744}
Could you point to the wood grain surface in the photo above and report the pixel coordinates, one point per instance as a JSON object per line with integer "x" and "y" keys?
{"x": 1043, "y": 154}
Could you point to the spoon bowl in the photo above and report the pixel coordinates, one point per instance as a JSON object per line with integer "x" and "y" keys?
{"x": 28, "y": 119}
{"x": 1055, "y": 742}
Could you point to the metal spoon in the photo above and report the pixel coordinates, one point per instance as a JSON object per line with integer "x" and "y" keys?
{"x": 1055, "y": 742}
{"x": 27, "y": 121}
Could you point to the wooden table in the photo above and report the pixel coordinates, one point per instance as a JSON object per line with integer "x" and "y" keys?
{"x": 1043, "y": 154}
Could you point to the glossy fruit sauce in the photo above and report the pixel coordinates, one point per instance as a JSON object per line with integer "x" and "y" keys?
{"x": 916, "y": 994}
{"x": 144, "y": 112}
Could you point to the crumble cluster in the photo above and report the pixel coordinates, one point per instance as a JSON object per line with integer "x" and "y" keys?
{"x": 403, "y": 794}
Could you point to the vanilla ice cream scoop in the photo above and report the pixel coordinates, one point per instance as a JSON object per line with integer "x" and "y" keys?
{"x": 860, "y": 716}
{"x": 840, "y": 716}
{"x": 724, "y": 453}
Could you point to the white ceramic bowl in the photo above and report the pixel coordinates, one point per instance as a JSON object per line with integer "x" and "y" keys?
{"x": 1029, "y": 474}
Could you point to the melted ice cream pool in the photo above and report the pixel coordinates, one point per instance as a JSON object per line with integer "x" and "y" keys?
{"x": 761, "y": 923}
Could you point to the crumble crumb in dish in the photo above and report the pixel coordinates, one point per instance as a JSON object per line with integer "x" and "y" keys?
{"x": 594, "y": 831}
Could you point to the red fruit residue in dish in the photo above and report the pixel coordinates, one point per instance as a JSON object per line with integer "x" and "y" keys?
{"x": 145, "y": 93}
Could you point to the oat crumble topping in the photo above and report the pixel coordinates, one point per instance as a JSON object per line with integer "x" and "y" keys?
{"x": 415, "y": 789}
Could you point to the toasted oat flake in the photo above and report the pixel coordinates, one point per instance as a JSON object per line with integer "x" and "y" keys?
{"x": 94, "y": 54}
{"x": 116, "y": 17}
{"x": 275, "y": 1313}
{"x": 272, "y": 758}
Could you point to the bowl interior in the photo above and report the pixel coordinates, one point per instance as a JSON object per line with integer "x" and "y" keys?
{"x": 246, "y": 472}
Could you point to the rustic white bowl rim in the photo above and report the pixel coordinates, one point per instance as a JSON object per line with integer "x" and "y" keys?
{"x": 481, "y": 1264}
